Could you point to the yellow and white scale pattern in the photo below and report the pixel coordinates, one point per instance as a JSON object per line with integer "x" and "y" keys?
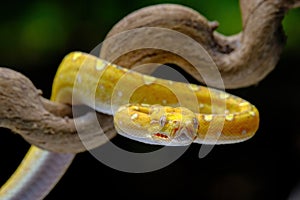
{"x": 223, "y": 118}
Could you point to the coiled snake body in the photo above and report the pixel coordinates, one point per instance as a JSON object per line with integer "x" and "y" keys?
{"x": 146, "y": 109}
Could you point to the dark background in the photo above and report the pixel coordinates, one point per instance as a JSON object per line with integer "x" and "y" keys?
{"x": 36, "y": 35}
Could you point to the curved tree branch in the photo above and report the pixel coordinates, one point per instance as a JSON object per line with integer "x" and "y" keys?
{"x": 47, "y": 126}
{"x": 243, "y": 59}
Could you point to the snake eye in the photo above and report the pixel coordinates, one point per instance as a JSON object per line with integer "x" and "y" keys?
{"x": 162, "y": 120}
{"x": 195, "y": 123}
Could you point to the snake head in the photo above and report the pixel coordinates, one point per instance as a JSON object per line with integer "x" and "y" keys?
{"x": 172, "y": 126}
{"x": 155, "y": 124}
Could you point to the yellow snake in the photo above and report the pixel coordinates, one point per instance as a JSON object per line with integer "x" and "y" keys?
{"x": 145, "y": 108}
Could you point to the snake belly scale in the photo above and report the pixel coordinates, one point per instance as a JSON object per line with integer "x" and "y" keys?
{"x": 145, "y": 108}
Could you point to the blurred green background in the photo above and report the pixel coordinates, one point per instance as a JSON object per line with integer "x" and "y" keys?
{"x": 36, "y": 31}
{"x": 36, "y": 35}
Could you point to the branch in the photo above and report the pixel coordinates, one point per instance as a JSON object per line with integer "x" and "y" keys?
{"x": 243, "y": 59}
{"x": 47, "y": 125}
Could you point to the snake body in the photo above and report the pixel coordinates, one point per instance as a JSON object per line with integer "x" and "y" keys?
{"x": 145, "y": 108}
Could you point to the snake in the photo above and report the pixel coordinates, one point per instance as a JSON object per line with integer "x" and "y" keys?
{"x": 145, "y": 108}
